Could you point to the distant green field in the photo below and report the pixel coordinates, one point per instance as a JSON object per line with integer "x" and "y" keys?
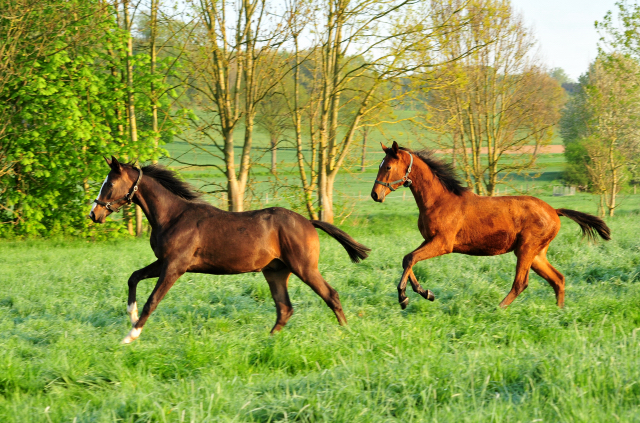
{"x": 206, "y": 354}
{"x": 352, "y": 185}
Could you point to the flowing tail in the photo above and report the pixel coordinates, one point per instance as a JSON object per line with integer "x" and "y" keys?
{"x": 355, "y": 250}
{"x": 588, "y": 223}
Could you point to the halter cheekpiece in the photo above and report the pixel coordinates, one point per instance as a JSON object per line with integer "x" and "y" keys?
{"x": 406, "y": 182}
{"x": 128, "y": 197}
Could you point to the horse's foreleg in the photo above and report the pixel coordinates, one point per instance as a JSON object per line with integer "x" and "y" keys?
{"x": 150, "y": 271}
{"x": 415, "y": 285}
{"x": 429, "y": 249}
{"x": 168, "y": 276}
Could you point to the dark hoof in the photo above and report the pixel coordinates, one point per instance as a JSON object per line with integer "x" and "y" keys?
{"x": 404, "y": 303}
{"x": 427, "y": 295}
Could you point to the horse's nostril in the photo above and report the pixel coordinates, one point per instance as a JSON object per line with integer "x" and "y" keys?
{"x": 374, "y": 196}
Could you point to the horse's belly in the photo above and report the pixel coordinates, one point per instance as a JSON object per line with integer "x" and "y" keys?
{"x": 230, "y": 265}
{"x": 485, "y": 244}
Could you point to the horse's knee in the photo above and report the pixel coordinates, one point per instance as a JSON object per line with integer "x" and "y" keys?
{"x": 133, "y": 280}
{"x": 521, "y": 287}
{"x": 407, "y": 261}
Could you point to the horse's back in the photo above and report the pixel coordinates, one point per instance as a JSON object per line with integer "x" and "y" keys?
{"x": 223, "y": 242}
{"x": 497, "y": 225}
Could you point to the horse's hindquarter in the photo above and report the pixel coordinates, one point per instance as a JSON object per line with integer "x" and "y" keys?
{"x": 497, "y": 225}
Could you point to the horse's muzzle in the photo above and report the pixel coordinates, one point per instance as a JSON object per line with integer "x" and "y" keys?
{"x": 379, "y": 198}
{"x": 96, "y": 219}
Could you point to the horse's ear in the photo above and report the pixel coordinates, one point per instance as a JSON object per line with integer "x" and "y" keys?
{"x": 115, "y": 164}
{"x": 395, "y": 147}
{"x": 108, "y": 161}
{"x": 384, "y": 147}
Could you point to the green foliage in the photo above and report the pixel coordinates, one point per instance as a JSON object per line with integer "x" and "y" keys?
{"x": 66, "y": 110}
{"x": 576, "y": 156}
{"x": 206, "y": 355}
{"x": 561, "y": 76}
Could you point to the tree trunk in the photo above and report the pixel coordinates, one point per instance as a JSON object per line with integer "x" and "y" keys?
{"x": 274, "y": 153}
{"x": 365, "y": 132}
{"x": 234, "y": 196}
{"x": 126, "y": 211}
{"x": 131, "y": 108}
{"x": 612, "y": 197}
{"x": 139, "y": 224}
{"x": 154, "y": 100}
{"x": 326, "y": 213}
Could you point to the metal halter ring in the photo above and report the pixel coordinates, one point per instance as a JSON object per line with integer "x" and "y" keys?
{"x": 406, "y": 182}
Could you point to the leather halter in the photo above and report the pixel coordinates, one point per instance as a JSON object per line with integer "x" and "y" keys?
{"x": 405, "y": 179}
{"x": 128, "y": 197}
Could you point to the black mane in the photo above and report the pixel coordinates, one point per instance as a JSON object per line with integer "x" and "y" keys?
{"x": 169, "y": 179}
{"x": 445, "y": 172}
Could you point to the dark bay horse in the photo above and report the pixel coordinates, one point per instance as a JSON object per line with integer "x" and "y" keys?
{"x": 455, "y": 220}
{"x": 189, "y": 235}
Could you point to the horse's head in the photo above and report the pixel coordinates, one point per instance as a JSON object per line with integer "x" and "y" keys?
{"x": 118, "y": 189}
{"x": 393, "y": 173}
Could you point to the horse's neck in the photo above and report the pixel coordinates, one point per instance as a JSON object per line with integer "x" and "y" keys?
{"x": 158, "y": 203}
{"x": 425, "y": 187}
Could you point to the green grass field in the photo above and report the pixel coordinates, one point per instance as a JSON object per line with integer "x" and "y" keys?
{"x": 206, "y": 354}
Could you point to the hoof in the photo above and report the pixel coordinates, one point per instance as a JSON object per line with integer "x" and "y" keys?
{"x": 404, "y": 303}
{"x": 133, "y": 335}
{"x": 427, "y": 295}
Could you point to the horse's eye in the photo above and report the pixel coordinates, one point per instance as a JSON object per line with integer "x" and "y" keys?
{"x": 388, "y": 167}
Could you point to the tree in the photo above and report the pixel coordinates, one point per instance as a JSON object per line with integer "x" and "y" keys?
{"x": 60, "y": 102}
{"x": 273, "y": 117}
{"x": 359, "y": 49}
{"x": 601, "y": 129}
{"x": 494, "y": 102}
{"x": 561, "y": 76}
{"x": 232, "y": 61}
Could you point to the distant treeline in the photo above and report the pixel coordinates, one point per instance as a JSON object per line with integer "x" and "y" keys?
{"x": 83, "y": 79}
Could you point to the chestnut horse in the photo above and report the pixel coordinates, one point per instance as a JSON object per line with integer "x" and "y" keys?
{"x": 189, "y": 235}
{"x": 455, "y": 220}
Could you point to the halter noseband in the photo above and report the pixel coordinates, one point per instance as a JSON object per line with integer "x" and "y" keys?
{"x": 128, "y": 197}
{"x": 406, "y": 182}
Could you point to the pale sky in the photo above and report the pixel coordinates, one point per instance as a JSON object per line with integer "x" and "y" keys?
{"x": 565, "y": 31}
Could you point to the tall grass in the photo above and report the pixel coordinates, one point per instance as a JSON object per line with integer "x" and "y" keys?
{"x": 206, "y": 353}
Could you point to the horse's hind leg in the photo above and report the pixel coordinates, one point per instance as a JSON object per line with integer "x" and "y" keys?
{"x": 314, "y": 279}
{"x": 150, "y": 271}
{"x": 278, "y": 280}
{"x": 546, "y": 271}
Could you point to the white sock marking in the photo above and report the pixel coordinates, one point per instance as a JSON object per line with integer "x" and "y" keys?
{"x": 132, "y": 310}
